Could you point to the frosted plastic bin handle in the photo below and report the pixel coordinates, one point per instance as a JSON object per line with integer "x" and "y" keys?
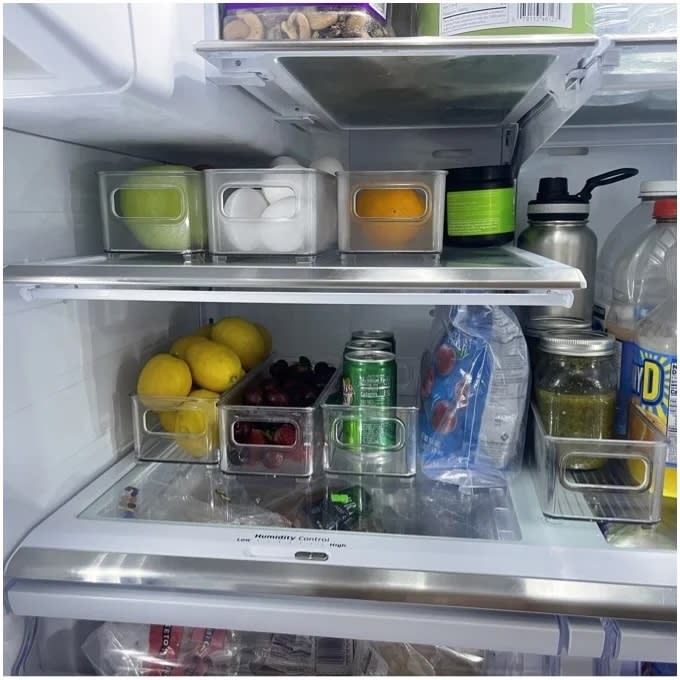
{"x": 145, "y": 189}
{"x": 164, "y": 434}
{"x": 391, "y": 186}
{"x": 587, "y": 486}
{"x": 400, "y": 428}
{"x": 267, "y": 421}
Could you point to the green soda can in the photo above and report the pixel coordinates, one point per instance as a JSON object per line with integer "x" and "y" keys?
{"x": 360, "y": 345}
{"x": 369, "y": 378}
{"x": 385, "y": 336}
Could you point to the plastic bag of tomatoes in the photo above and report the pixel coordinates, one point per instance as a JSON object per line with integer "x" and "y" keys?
{"x": 473, "y": 396}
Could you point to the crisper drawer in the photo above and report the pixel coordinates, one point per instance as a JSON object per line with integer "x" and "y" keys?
{"x": 279, "y": 211}
{"x": 609, "y": 491}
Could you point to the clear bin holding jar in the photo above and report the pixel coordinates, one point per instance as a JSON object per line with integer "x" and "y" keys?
{"x": 575, "y": 389}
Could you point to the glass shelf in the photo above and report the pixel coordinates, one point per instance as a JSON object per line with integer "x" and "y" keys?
{"x": 487, "y": 276}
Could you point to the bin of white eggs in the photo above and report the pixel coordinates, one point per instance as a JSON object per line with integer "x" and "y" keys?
{"x": 286, "y": 209}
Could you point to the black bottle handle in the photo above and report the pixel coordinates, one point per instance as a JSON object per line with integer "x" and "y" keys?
{"x": 610, "y": 177}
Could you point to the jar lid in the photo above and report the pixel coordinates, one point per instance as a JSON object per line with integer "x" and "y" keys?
{"x": 543, "y": 324}
{"x": 582, "y": 344}
{"x": 481, "y": 174}
{"x": 665, "y": 208}
{"x": 658, "y": 188}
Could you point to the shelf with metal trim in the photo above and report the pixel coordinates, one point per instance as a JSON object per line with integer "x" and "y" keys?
{"x": 504, "y": 275}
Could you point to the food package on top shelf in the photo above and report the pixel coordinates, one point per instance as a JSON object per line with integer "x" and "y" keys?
{"x": 473, "y": 396}
{"x": 273, "y": 21}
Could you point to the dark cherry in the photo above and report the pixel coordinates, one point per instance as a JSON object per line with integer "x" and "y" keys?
{"x": 279, "y": 368}
{"x": 241, "y": 431}
{"x": 285, "y": 435}
{"x": 273, "y": 459}
{"x": 253, "y": 396}
{"x": 276, "y": 398}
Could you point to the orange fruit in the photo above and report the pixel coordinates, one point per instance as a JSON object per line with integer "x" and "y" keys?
{"x": 396, "y": 206}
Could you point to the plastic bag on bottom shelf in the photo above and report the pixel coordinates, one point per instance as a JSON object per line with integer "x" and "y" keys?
{"x": 473, "y": 396}
{"x": 139, "y": 649}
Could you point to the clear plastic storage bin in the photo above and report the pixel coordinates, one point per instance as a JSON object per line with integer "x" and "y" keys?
{"x": 291, "y": 211}
{"x": 345, "y": 454}
{"x": 175, "y": 429}
{"x": 304, "y": 22}
{"x": 608, "y": 493}
{"x": 153, "y": 211}
{"x": 391, "y": 211}
{"x": 293, "y": 453}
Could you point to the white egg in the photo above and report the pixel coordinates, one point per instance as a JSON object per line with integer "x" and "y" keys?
{"x": 284, "y": 162}
{"x": 327, "y": 164}
{"x": 244, "y": 204}
{"x": 282, "y": 236}
{"x": 276, "y": 194}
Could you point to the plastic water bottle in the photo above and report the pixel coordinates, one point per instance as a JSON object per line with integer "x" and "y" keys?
{"x": 640, "y": 284}
{"x": 624, "y": 237}
{"x": 654, "y": 405}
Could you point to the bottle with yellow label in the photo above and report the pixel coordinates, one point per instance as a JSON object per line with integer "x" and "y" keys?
{"x": 653, "y": 411}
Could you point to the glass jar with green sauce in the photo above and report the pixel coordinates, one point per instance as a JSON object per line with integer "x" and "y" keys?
{"x": 549, "y": 325}
{"x": 575, "y": 388}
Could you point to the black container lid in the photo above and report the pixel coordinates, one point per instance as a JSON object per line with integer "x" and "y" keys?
{"x": 554, "y": 202}
{"x": 481, "y": 176}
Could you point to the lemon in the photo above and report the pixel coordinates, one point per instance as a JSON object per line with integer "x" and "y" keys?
{"x": 243, "y": 338}
{"x": 267, "y": 337}
{"x": 165, "y": 376}
{"x": 214, "y": 366}
{"x": 204, "y": 331}
{"x": 168, "y": 419}
{"x": 198, "y": 419}
{"x": 179, "y": 347}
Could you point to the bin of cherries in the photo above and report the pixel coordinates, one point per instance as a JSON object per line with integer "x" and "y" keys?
{"x": 274, "y": 426}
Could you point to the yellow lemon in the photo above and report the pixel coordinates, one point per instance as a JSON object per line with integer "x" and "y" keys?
{"x": 204, "y": 331}
{"x": 167, "y": 419}
{"x": 243, "y": 338}
{"x": 214, "y": 366}
{"x": 267, "y": 337}
{"x": 165, "y": 376}
{"x": 198, "y": 419}
{"x": 179, "y": 347}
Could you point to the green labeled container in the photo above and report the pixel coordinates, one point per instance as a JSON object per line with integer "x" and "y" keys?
{"x": 480, "y": 206}
{"x": 486, "y": 18}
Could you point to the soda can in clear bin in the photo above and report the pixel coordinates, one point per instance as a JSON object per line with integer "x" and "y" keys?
{"x": 369, "y": 378}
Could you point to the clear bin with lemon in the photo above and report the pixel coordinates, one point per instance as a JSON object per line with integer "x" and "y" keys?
{"x": 174, "y": 411}
{"x": 391, "y": 211}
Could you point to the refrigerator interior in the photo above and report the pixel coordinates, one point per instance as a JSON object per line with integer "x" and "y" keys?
{"x": 69, "y": 365}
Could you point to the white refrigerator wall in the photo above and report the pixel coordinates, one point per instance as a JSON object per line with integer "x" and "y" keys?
{"x": 68, "y": 366}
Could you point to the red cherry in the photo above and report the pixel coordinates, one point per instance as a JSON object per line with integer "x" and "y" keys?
{"x": 285, "y": 435}
{"x": 257, "y": 438}
{"x": 298, "y": 453}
